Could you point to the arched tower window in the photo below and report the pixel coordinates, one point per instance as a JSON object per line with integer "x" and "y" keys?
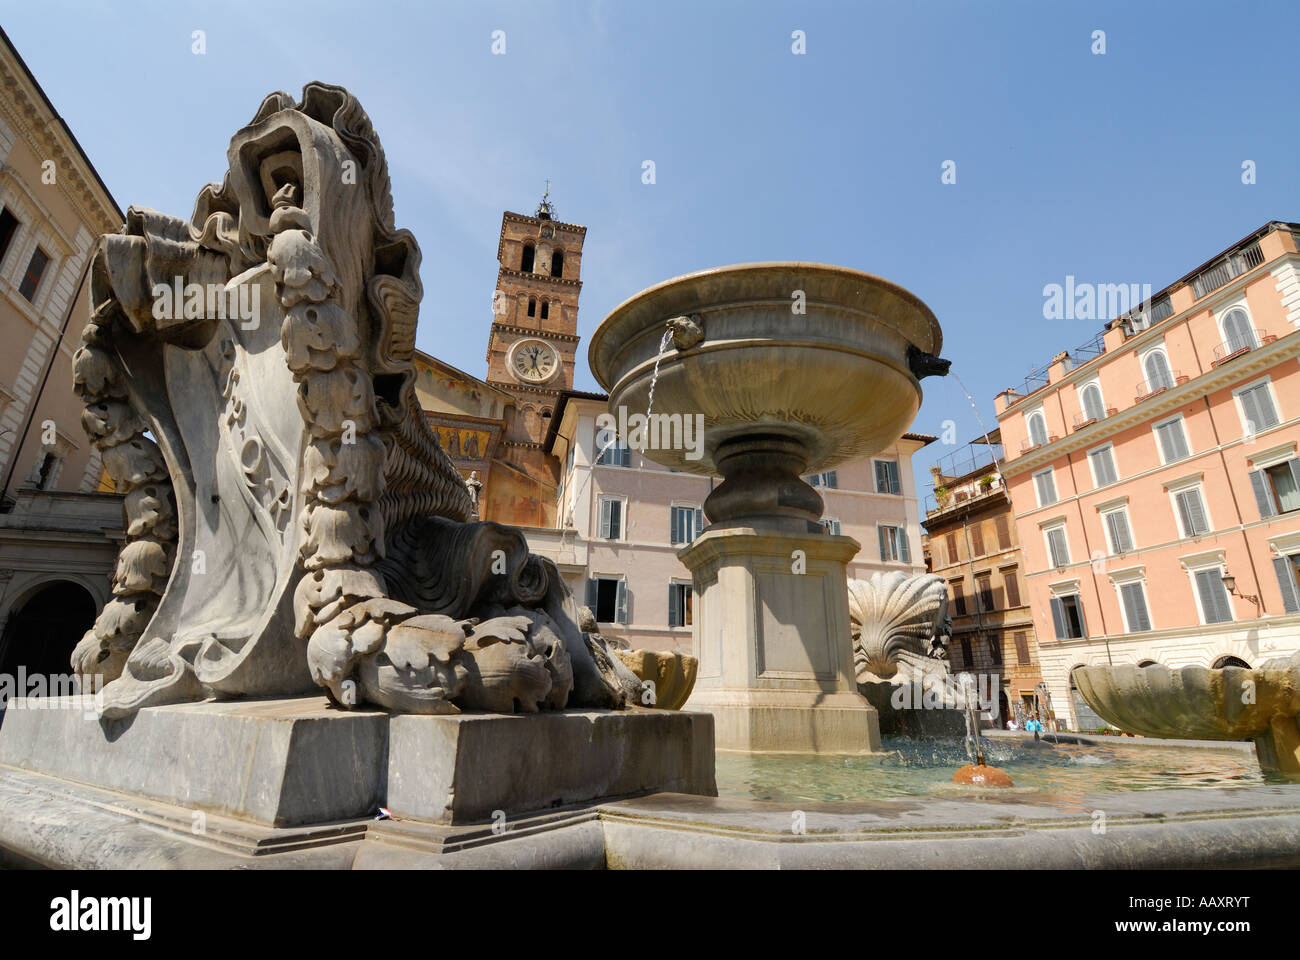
{"x": 532, "y": 306}
{"x": 557, "y": 264}
{"x": 526, "y": 262}
{"x": 546, "y": 309}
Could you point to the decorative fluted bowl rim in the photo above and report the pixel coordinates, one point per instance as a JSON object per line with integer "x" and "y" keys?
{"x": 1193, "y": 702}
{"x": 677, "y": 295}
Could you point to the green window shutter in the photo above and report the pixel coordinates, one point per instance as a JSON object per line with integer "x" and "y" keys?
{"x": 1058, "y": 619}
{"x": 674, "y": 606}
{"x": 620, "y": 603}
{"x": 883, "y": 534}
{"x": 904, "y": 548}
{"x": 1263, "y": 493}
{"x": 1287, "y": 582}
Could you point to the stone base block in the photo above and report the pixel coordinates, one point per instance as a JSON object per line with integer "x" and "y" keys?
{"x": 768, "y": 721}
{"x": 274, "y": 762}
{"x": 459, "y": 769}
{"x": 298, "y": 762}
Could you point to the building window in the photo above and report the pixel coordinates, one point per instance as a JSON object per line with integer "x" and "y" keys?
{"x": 1237, "y": 331}
{"x": 557, "y": 264}
{"x": 1093, "y": 406}
{"x": 1058, "y": 548}
{"x": 958, "y": 598}
{"x": 829, "y": 480}
{"x": 607, "y": 598}
{"x": 611, "y": 451}
{"x": 1189, "y": 506}
{"x": 1022, "y": 648}
{"x": 995, "y": 650}
{"x": 45, "y": 471}
{"x": 977, "y": 540}
{"x": 893, "y": 543}
{"x": 1118, "y": 534}
{"x": 611, "y": 518}
{"x": 1037, "y": 428}
{"x": 686, "y": 522}
{"x": 35, "y": 270}
{"x": 1012, "y": 586}
{"x": 952, "y": 547}
{"x": 8, "y": 227}
{"x": 887, "y": 477}
{"x": 532, "y": 306}
{"x": 1213, "y": 595}
{"x": 1288, "y": 581}
{"x": 1156, "y": 367}
{"x": 1004, "y": 533}
{"x": 1258, "y": 412}
{"x": 1045, "y": 487}
{"x": 831, "y": 525}
{"x": 1277, "y": 488}
{"x": 1102, "y": 462}
{"x": 679, "y": 604}
{"x": 1133, "y": 600}
{"x": 1172, "y": 440}
{"x": 1067, "y": 617}
{"x": 526, "y": 261}
{"x": 967, "y": 660}
{"x": 985, "y": 587}
{"x": 546, "y": 309}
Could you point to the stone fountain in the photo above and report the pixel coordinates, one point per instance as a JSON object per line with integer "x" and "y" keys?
{"x": 791, "y": 368}
{"x": 1229, "y": 703}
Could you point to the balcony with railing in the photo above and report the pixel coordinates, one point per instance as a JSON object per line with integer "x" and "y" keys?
{"x": 1145, "y": 390}
{"x": 967, "y": 494}
{"x": 1235, "y": 346}
{"x": 1082, "y": 420}
{"x": 1227, "y": 269}
{"x": 1029, "y": 443}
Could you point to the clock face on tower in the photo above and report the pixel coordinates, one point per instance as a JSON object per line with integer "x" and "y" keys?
{"x": 533, "y": 361}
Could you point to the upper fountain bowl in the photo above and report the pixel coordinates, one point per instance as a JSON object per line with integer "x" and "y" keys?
{"x": 821, "y": 360}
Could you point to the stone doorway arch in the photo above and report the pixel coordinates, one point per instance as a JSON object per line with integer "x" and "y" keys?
{"x": 43, "y": 627}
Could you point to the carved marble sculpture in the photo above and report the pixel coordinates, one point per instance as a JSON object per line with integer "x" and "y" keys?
{"x": 290, "y": 517}
{"x": 896, "y": 621}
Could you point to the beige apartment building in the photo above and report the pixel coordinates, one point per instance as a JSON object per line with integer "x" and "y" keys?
{"x": 622, "y": 519}
{"x": 1155, "y": 476}
{"x": 58, "y": 536}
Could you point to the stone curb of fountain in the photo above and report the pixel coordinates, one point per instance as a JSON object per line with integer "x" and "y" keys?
{"x": 1091, "y": 739}
{"x": 57, "y": 823}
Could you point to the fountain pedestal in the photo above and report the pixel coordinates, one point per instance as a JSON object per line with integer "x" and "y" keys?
{"x": 771, "y": 631}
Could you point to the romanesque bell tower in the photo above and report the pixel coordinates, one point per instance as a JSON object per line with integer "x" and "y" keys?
{"x": 535, "y": 329}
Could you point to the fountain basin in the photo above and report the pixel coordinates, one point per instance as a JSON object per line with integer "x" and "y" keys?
{"x": 1231, "y": 703}
{"x": 793, "y": 367}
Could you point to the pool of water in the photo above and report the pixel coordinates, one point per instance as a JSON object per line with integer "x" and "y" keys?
{"x": 1062, "y": 772}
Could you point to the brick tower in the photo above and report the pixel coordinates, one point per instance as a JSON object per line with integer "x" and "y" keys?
{"x": 535, "y": 329}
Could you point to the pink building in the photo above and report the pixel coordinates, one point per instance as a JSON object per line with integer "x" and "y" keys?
{"x": 1155, "y": 481}
{"x": 623, "y": 518}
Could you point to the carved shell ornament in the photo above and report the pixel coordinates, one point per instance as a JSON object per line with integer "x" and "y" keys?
{"x": 292, "y": 521}
{"x": 893, "y": 614}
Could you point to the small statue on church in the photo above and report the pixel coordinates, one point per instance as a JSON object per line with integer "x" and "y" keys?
{"x": 475, "y": 486}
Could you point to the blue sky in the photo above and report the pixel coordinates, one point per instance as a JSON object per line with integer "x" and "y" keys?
{"x": 1124, "y": 167}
